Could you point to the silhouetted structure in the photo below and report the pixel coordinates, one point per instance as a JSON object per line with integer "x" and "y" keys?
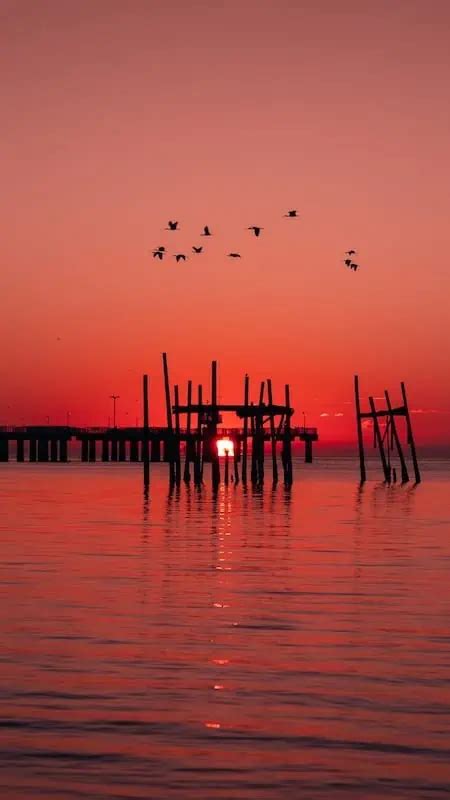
{"x": 386, "y": 441}
{"x": 261, "y": 422}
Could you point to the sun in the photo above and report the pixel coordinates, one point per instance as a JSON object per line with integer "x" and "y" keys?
{"x": 224, "y": 447}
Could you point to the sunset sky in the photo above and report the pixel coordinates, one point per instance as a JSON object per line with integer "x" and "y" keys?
{"x": 118, "y": 116}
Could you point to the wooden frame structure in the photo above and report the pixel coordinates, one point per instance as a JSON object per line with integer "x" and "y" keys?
{"x": 389, "y": 439}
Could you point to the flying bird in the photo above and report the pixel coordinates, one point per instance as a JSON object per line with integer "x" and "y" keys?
{"x": 172, "y": 226}
{"x": 180, "y": 257}
{"x": 292, "y": 213}
{"x": 354, "y": 266}
{"x": 255, "y": 228}
{"x": 206, "y": 231}
{"x": 350, "y": 253}
{"x": 159, "y": 253}
{"x": 234, "y": 255}
{"x": 196, "y": 249}
{"x": 347, "y": 262}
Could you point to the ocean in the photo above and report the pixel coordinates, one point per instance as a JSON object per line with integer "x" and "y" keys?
{"x": 248, "y": 644}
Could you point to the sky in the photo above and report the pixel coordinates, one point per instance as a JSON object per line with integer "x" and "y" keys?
{"x": 120, "y": 116}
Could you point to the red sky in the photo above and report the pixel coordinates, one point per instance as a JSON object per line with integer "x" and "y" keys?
{"x": 119, "y": 116}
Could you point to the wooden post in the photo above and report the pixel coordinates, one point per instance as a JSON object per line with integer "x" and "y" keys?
{"x": 273, "y": 440}
{"x": 362, "y": 465}
{"x": 236, "y": 448}
{"x": 287, "y": 430}
{"x": 215, "y": 465}
{"x": 245, "y": 432}
{"x": 187, "y": 473}
{"x": 145, "y": 442}
{"x": 395, "y": 437}
{"x": 260, "y": 462}
{"x": 198, "y": 448}
{"x": 169, "y": 418}
{"x": 410, "y": 436}
{"x": 254, "y": 461}
{"x": 379, "y": 441}
{"x": 177, "y": 437}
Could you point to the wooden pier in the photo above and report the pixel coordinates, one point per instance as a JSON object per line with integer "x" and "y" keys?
{"x": 388, "y": 440}
{"x": 192, "y": 431}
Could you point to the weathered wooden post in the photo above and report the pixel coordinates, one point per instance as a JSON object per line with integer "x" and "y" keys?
{"x": 362, "y": 465}
{"x": 273, "y": 440}
{"x": 395, "y": 437}
{"x": 288, "y": 440}
{"x": 215, "y": 465}
{"x": 245, "y": 431}
{"x": 145, "y": 431}
{"x": 187, "y": 455}
{"x": 169, "y": 420}
{"x": 177, "y": 437}
{"x": 198, "y": 443}
{"x": 411, "y": 442}
{"x": 379, "y": 441}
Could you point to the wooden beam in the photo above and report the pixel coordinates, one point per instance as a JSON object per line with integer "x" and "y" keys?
{"x": 411, "y": 442}
{"x": 245, "y": 432}
{"x": 379, "y": 442}
{"x": 273, "y": 440}
{"x": 395, "y": 438}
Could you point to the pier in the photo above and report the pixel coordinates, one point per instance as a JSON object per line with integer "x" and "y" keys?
{"x": 194, "y": 431}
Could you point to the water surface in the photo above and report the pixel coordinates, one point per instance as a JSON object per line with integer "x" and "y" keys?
{"x": 255, "y": 645}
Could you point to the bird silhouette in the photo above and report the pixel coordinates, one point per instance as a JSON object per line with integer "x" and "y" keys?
{"x": 292, "y": 213}
{"x": 234, "y": 255}
{"x": 172, "y": 226}
{"x": 347, "y": 262}
{"x": 159, "y": 254}
{"x": 255, "y": 228}
{"x": 180, "y": 257}
{"x": 206, "y": 231}
{"x": 196, "y": 249}
{"x": 350, "y": 253}
{"x": 354, "y": 266}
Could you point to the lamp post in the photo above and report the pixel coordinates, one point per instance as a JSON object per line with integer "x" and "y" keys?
{"x": 114, "y": 397}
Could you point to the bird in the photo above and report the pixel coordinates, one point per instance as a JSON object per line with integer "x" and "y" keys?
{"x": 180, "y": 257}
{"x": 255, "y": 228}
{"x": 159, "y": 252}
{"x": 234, "y": 255}
{"x": 172, "y": 226}
{"x": 292, "y": 213}
{"x": 347, "y": 262}
{"x": 196, "y": 249}
{"x": 350, "y": 253}
{"x": 206, "y": 231}
{"x": 354, "y": 266}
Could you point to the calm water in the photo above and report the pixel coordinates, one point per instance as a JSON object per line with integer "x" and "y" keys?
{"x": 250, "y": 645}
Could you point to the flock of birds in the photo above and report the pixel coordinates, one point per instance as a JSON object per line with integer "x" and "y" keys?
{"x": 172, "y": 225}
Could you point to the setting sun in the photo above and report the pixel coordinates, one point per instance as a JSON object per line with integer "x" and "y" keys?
{"x": 225, "y": 446}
